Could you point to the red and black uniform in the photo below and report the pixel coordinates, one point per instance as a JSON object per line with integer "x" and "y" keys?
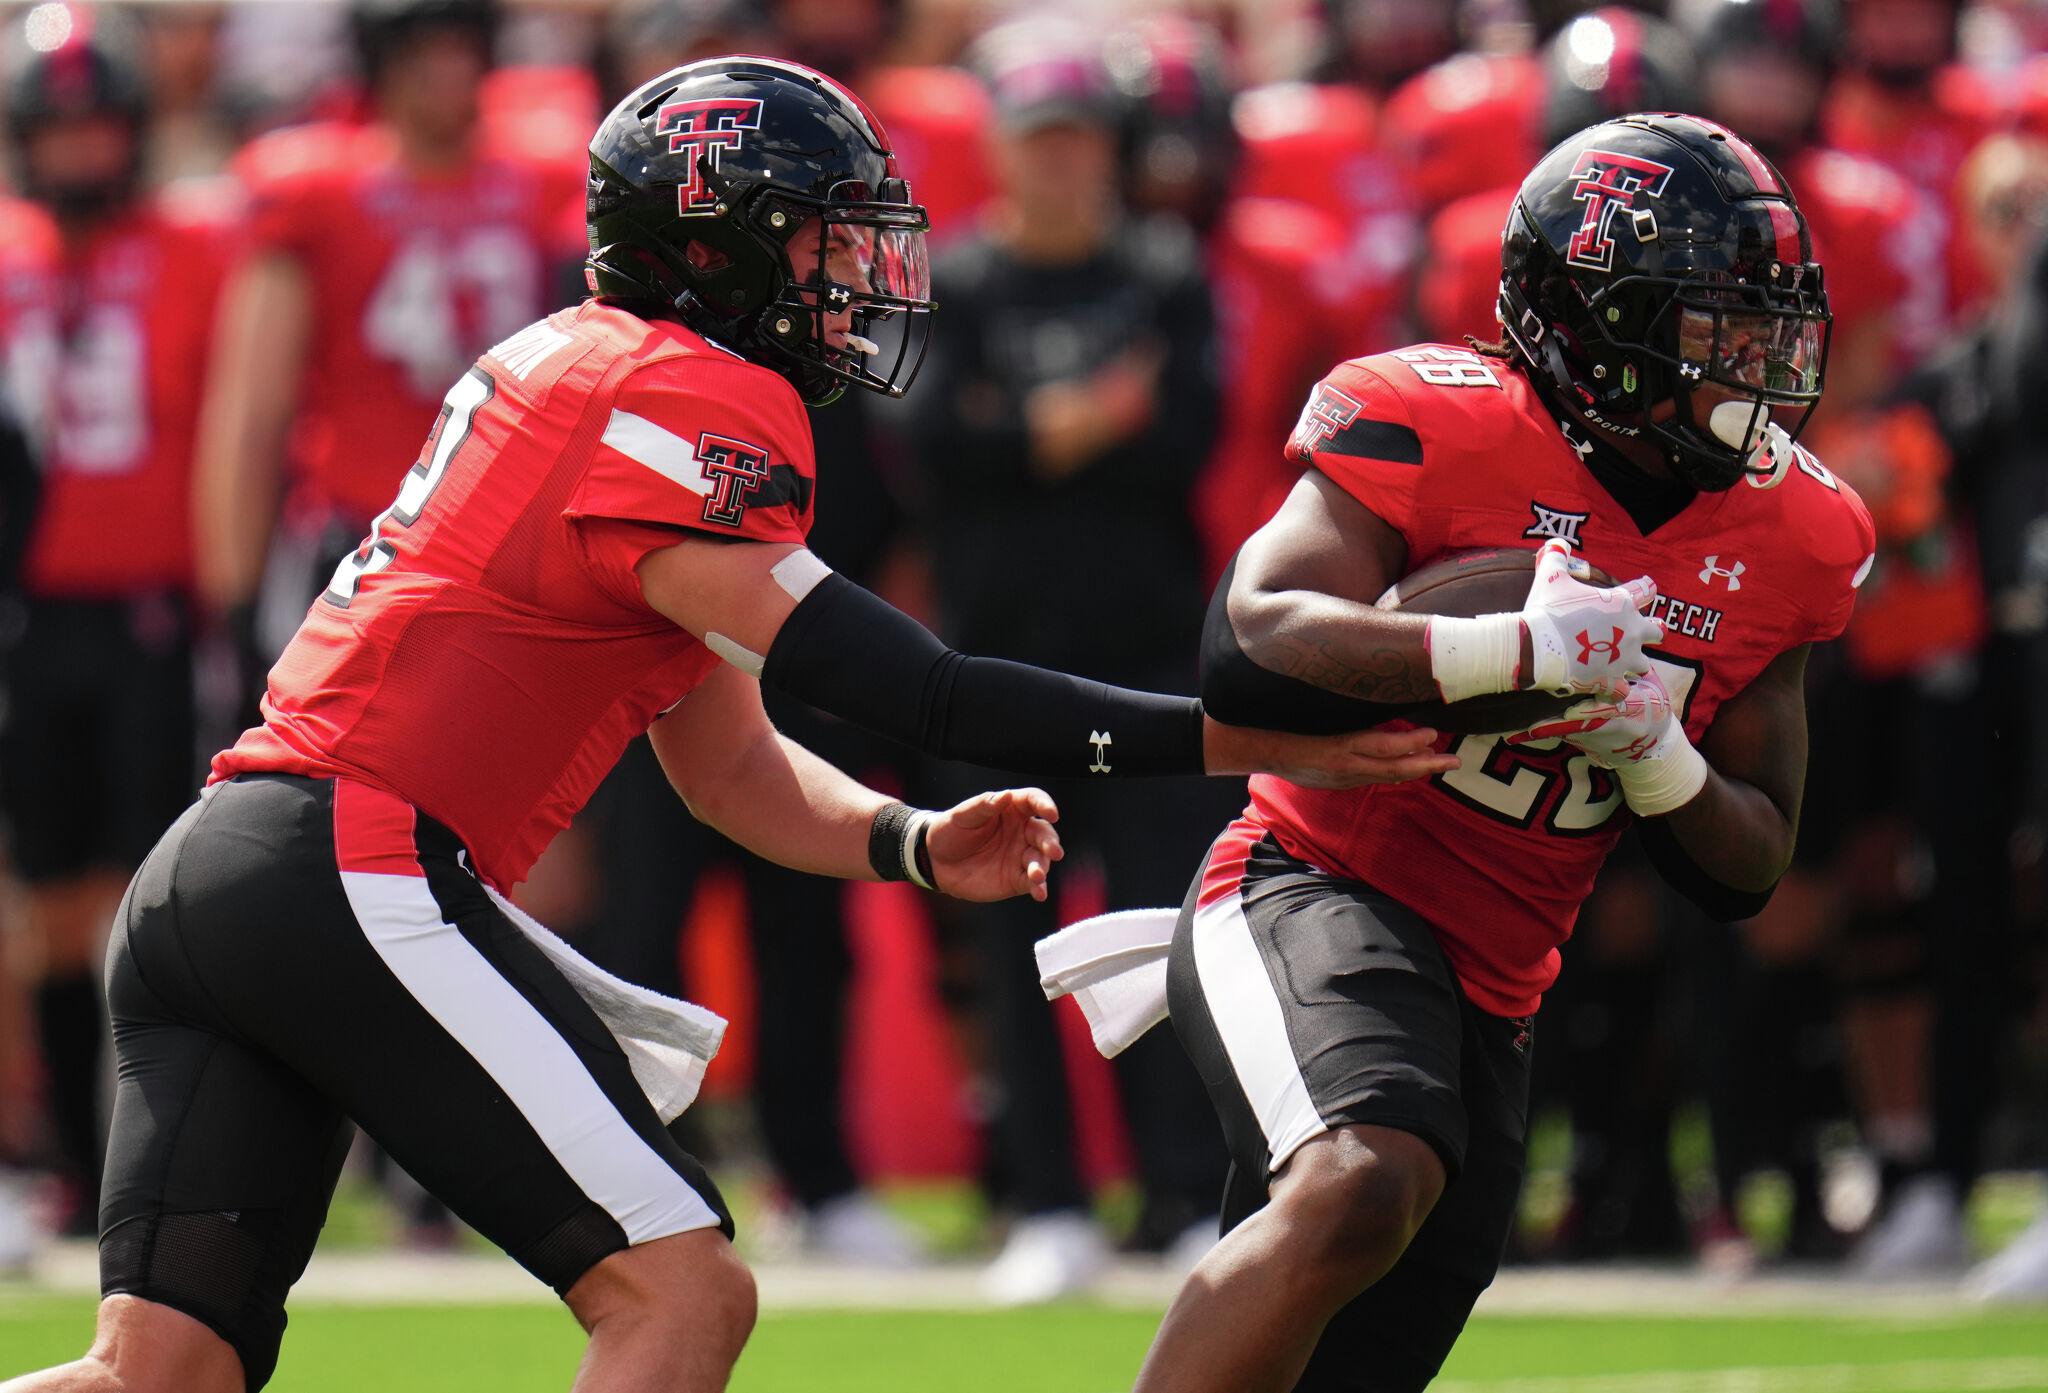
{"x": 104, "y": 345}
{"x": 411, "y": 276}
{"x": 1376, "y": 956}
{"x": 330, "y": 916}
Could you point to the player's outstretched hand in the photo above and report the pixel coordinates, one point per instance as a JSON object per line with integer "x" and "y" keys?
{"x": 1377, "y": 756}
{"x": 1585, "y": 641}
{"x": 995, "y": 845}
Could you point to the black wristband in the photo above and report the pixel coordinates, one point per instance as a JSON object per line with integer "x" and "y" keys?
{"x": 885, "y": 841}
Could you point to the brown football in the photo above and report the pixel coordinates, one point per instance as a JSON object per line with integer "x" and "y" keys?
{"x": 1468, "y": 583}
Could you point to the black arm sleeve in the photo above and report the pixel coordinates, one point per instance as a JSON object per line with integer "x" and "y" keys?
{"x": 846, "y": 652}
{"x": 1683, "y": 874}
{"x": 1237, "y": 691}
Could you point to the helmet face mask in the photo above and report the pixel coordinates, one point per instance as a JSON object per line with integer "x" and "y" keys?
{"x": 756, "y": 200}
{"x": 1658, "y": 278}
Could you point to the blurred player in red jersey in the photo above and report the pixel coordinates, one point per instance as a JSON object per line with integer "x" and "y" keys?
{"x": 1601, "y": 65}
{"x": 1768, "y": 67}
{"x": 104, "y": 316}
{"x": 938, "y": 116}
{"x": 385, "y": 257}
{"x": 1323, "y": 143}
{"x": 1267, "y": 260}
{"x": 1765, "y": 67}
{"x": 604, "y": 533}
{"x": 1356, "y": 973}
{"x": 1900, "y": 101}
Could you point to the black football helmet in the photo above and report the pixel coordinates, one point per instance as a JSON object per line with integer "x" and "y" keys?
{"x": 65, "y": 61}
{"x": 757, "y": 199}
{"x": 1177, "y": 144}
{"x": 1731, "y": 36}
{"x": 382, "y": 28}
{"x": 1652, "y": 256}
{"x": 1610, "y": 62}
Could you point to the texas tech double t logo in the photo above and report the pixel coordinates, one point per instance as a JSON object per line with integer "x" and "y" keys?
{"x": 702, "y": 129}
{"x": 1328, "y": 414}
{"x": 1608, "y": 182}
{"x": 735, "y": 469}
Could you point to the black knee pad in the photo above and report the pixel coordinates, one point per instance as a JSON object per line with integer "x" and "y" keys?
{"x": 211, "y": 1267}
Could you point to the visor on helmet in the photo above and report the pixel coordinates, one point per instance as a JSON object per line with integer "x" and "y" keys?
{"x": 1774, "y": 353}
{"x": 861, "y": 278}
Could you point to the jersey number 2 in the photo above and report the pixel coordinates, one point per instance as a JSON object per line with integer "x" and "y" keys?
{"x": 464, "y": 400}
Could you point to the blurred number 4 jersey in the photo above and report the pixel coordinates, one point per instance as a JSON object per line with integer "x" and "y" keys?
{"x": 1455, "y": 450}
{"x": 486, "y": 654}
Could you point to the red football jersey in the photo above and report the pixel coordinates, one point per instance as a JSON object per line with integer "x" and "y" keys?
{"x": 1321, "y": 145}
{"x": 1468, "y": 123}
{"x": 412, "y": 277}
{"x": 1456, "y": 451}
{"x": 1871, "y": 231}
{"x": 1925, "y": 143}
{"x": 1457, "y": 282}
{"x": 486, "y": 655}
{"x": 1269, "y": 264}
{"x": 105, "y": 352}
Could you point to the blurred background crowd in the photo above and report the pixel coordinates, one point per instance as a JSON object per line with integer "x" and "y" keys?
{"x": 249, "y": 246}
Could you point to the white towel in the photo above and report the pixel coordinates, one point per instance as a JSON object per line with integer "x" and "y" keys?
{"x": 668, "y": 1042}
{"x": 1114, "y": 966}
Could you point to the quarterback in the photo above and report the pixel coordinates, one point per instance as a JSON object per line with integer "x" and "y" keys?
{"x": 603, "y": 533}
{"x": 1356, "y": 972}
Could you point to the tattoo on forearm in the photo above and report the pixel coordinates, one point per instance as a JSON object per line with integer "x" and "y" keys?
{"x": 1385, "y": 675}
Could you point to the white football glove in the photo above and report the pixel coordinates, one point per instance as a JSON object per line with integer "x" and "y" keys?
{"x": 1584, "y": 641}
{"x": 1640, "y": 738}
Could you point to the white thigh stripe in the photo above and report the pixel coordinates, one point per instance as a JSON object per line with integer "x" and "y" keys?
{"x": 1242, "y": 1001}
{"x": 525, "y": 1056}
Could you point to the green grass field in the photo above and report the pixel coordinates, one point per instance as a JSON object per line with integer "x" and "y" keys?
{"x": 1085, "y": 1349}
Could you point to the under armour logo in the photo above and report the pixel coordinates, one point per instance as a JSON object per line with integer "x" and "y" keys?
{"x": 1638, "y": 748}
{"x": 1608, "y": 648}
{"x": 1101, "y": 741}
{"x": 1579, "y": 443}
{"x": 1551, "y": 522}
{"x": 1731, "y": 574}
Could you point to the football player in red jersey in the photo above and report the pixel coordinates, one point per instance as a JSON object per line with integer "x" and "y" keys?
{"x": 105, "y": 303}
{"x": 1604, "y": 64}
{"x": 384, "y": 258}
{"x": 1901, "y": 101}
{"x": 1356, "y": 973}
{"x": 605, "y": 532}
{"x": 1179, "y": 155}
{"x": 1767, "y": 66}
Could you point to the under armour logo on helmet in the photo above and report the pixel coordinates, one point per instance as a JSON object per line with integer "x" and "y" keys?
{"x": 1607, "y": 182}
{"x": 1608, "y": 648}
{"x": 1731, "y": 574}
{"x": 701, "y": 130}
